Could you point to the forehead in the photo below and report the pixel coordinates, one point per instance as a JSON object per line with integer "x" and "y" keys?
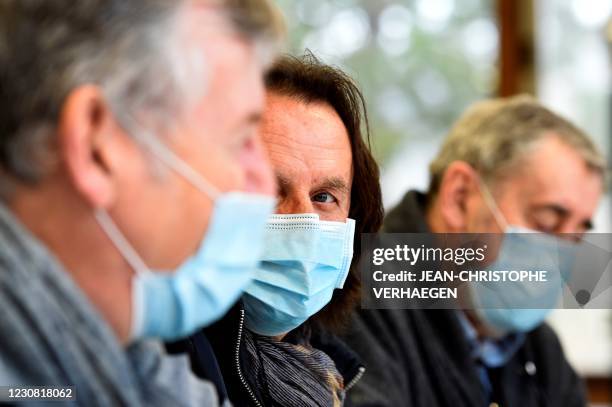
{"x": 233, "y": 82}
{"x": 305, "y": 137}
{"x": 555, "y": 173}
{"x": 227, "y": 63}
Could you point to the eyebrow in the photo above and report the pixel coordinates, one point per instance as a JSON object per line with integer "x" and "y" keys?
{"x": 283, "y": 183}
{"x": 254, "y": 117}
{"x": 333, "y": 183}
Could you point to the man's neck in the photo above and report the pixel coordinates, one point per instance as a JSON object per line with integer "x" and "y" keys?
{"x": 67, "y": 227}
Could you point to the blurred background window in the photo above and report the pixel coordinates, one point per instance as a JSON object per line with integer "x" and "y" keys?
{"x": 420, "y": 63}
{"x": 573, "y": 77}
{"x": 573, "y": 69}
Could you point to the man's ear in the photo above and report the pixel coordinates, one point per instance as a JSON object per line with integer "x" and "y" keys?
{"x": 85, "y": 126}
{"x": 460, "y": 180}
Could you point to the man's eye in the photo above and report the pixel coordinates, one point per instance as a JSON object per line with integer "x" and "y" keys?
{"x": 546, "y": 225}
{"x": 545, "y": 229}
{"x": 242, "y": 142}
{"x": 324, "y": 197}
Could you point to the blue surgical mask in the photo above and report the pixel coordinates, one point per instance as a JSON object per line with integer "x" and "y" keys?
{"x": 521, "y": 306}
{"x": 175, "y": 303}
{"x": 304, "y": 260}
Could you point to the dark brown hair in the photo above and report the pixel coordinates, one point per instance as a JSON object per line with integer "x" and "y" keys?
{"x": 309, "y": 80}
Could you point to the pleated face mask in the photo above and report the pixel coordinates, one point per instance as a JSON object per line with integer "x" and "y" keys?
{"x": 522, "y": 305}
{"x": 304, "y": 260}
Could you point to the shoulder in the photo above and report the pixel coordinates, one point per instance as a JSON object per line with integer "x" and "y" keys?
{"x": 544, "y": 342}
{"x": 556, "y": 375}
{"x": 168, "y": 379}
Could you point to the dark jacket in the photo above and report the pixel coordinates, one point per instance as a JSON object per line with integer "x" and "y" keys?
{"x": 216, "y": 355}
{"x": 421, "y": 358}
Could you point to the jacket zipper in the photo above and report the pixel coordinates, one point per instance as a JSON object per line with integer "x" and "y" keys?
{"x": 355, "y": 379}
{"x": 238, "y": 369}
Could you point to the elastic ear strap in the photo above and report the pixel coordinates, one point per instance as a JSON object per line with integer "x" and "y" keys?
{"x": 350, "y": 231}
{"x": 168, "y": 157}
{"x": 120, "y": 242}
{"x": 490, "y": 201}
{"x": 349, "y": 243}
{"x": 138, "y": 310}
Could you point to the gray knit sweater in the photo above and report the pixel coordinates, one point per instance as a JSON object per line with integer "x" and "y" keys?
{"x": 50, "y": 334}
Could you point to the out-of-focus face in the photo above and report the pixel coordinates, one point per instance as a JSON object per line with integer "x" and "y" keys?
{"x": 100, "y": 165}
{"x": 163, "y": 215}
{"x": 552, "y": 191}
{"x": 310, "y": 152}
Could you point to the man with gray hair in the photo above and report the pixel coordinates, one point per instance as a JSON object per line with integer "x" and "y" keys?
{"x": 134, "y": 189}
{"x": 507, "y": 165}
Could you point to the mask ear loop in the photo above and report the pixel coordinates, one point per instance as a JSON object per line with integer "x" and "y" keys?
{"x": 492, "y": 205}
{"x": 165, "y": 155}
{"x": 120, "y": 242}
{"x": 135, "y": 262}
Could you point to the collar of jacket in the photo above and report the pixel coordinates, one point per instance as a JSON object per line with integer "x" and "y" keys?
{"x": 408, "y": 216}
{"x": 347, "y": 362}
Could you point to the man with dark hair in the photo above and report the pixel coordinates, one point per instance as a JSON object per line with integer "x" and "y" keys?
{"x": 507, "y": 165}
{"x": 278, "y": 347}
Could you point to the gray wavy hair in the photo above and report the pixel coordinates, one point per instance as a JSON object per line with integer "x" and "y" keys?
{"x": 494, "y": 135}
{"x": 131, "y": 49}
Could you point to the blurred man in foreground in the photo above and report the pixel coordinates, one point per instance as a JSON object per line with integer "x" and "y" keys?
{"x": 125, "y": 124}
{"x": 506, "y": 164}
